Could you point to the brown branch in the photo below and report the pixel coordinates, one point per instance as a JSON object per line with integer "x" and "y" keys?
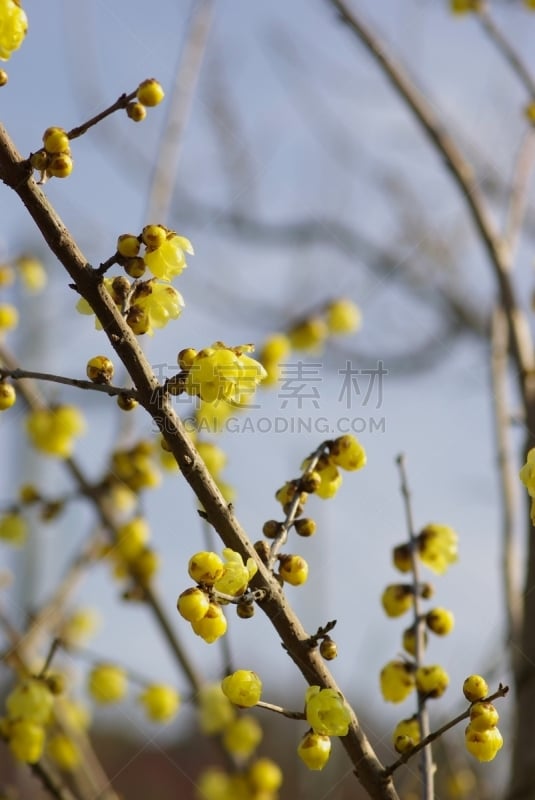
{"x": 500, "y": 692}
{"x": 426, "y": 762}
{"x": 508, "y": 474}
{"x": 280, "y": 710}
{"x": 12, "y": 171}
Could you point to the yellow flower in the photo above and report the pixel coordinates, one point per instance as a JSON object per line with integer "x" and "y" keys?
{"x": 242, "y": 736}
{"x": 314, "y": 750}
{"x": 327, "y": 712}
{"x": 32, "y": 273}
{"x": 107, "y": 683}
{"x": 243, "y": 688}
{"x": 215, "y": 709}
{"x": 527, "y": 473}
{"x": 13, "y": 27}
{"x": 224, "y": 373}
{"x": 169, "y": 259}
{"x": 153, "y": 306}
{"x": 343, "y": 316}
{"x": 437, "y": 547}
{"x": 52, "y": 430}
{"x": 236, "y": 575}
{"x": 160, "y": 702}
{"x": 13, "y": 528}
{"x": 397, "y": 681}
{"x": 63, "y": 751}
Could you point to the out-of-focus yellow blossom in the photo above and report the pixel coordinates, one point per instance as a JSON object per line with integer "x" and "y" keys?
{"x": 80, "y": 625}
{"x": 13, "y": 528}
{"x": 242, "y": 736}
{"x": 53, "y": 430}
{"x": 527, "y": 473}
{"x": 13, "y": 27}
{"x": 437, "y": 547}
{"x": 309, "y": 335}
{"x": 9, "y": 317}
{"x": 107, "y": 683}
{"x": 160, "y": 702}
{"x": 63, "y": 751}
{"x": 397, "y": 681}
{"x": 215, "y": 709}
{"x": 32, "y": 273}
{"x": 343, "y": 316}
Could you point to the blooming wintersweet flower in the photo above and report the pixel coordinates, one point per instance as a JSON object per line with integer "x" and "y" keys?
{"x": 13, "y": 27}
{"x": 153, "y": 306}
{"x": 215, "y": 709}
{"x": 169, "y": 259}
{"x": 326, "y": 711}
{"x": 236, "y": 575}
{"x": 160, "y": 702}
{"x": 224, "y": 373}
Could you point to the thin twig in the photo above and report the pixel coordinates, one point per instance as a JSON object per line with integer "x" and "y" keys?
{"x": 282, "y": 536}
{"x": 426, "y": 762}
{"x": 78, "y": 383}
{"x": 121, "y": 102}
{"x": 280, "y": 710}
{"x": 519, "y": 191}
{"x": 508, "y": 51}
{"x": 186, "y": 77}
{"x": 507, "y": 470}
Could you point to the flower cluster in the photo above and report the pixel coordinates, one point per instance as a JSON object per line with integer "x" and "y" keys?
{"x": 435, "y": 546}
{"x": 131, "y": 554}
{"x": 108, "y": 684}
{"x": 13, "y": 27}
{"x": 165, "y": 252}
{"x": 218, "y": 581}
{"x": 261, "y": 779}
{"x": 146, "y": 305}
{"x": 54, "y": 159}
{"x": 29, "y": 710}
{"x": 220, "y": 373}
{"x": 339, "y": 317}
{"x": 328, "y": 715}
{"x": 149, "y": 93}
{"x": 53, "y": 430}
{"x": 482, "y": 738}
{"x": 217, "y": 706}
